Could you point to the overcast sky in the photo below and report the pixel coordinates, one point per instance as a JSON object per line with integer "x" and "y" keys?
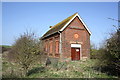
{"x": 38, "y": 16}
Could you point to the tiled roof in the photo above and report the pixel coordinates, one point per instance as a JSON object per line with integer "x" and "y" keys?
{"x": 58, "y": 26}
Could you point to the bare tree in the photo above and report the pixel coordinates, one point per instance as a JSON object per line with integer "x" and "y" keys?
{"x": 26, "y": 51}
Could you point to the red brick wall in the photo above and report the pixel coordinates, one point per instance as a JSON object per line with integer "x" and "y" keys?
{"x": 68, "y": 38}
{"x": 52, "y": 40}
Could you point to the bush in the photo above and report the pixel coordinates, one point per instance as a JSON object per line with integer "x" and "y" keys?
{"x": 93, "y": 53}
{"x": 109, "y": 55}
{"x": 26, "y": 51}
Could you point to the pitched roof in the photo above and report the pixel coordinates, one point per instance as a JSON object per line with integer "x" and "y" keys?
{"x": 61, "y": 25}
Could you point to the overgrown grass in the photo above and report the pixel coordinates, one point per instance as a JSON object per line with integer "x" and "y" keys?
{"x": 72, "y": 69}
{"x": 75, "y": 69}
{"x": 10, "y": 70}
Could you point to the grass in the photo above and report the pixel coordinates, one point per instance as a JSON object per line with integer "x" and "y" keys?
{"x": 72, "y": 69}
{"x": 10, "y": 70}
{"x": 75, "y": 69}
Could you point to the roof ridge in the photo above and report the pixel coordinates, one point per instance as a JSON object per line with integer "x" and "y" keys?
{"x": 65, "y": 19}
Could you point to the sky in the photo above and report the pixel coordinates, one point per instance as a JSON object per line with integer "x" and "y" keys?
{"x": 17, "y": 17}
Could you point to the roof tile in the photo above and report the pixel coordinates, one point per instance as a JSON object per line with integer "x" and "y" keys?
{"x": 58, "y": 26}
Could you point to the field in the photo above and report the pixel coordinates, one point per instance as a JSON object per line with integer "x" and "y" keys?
{"x": 72, "y": 69}
{"x": 6, "y": 46}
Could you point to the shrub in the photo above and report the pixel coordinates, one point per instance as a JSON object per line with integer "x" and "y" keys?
{"x": 109, "y": 55}
{"x": 93, "y": 53}
{"x": 26, "y": 51}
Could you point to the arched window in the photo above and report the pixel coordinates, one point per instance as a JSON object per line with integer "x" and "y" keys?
{"x": 57, "y": 46}
{"x": 50, "y": 47}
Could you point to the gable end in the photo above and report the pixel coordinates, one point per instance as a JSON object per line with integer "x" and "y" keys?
{"x": 77, "y": 15}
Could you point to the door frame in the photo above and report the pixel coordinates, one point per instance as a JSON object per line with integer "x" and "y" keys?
{"x": 77, "y": 46}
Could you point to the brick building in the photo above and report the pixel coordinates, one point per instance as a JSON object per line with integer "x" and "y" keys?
{"x": 69, "y": 39}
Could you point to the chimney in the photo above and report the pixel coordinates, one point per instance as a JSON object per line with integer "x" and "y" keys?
{"x": 50, "y": 26}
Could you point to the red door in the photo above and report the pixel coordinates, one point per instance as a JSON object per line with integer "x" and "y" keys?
{"x": 75, "y": 53}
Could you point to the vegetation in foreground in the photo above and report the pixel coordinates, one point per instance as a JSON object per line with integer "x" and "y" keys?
{"x": 108, "y": 55}
{"x": 73, "y": 69}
